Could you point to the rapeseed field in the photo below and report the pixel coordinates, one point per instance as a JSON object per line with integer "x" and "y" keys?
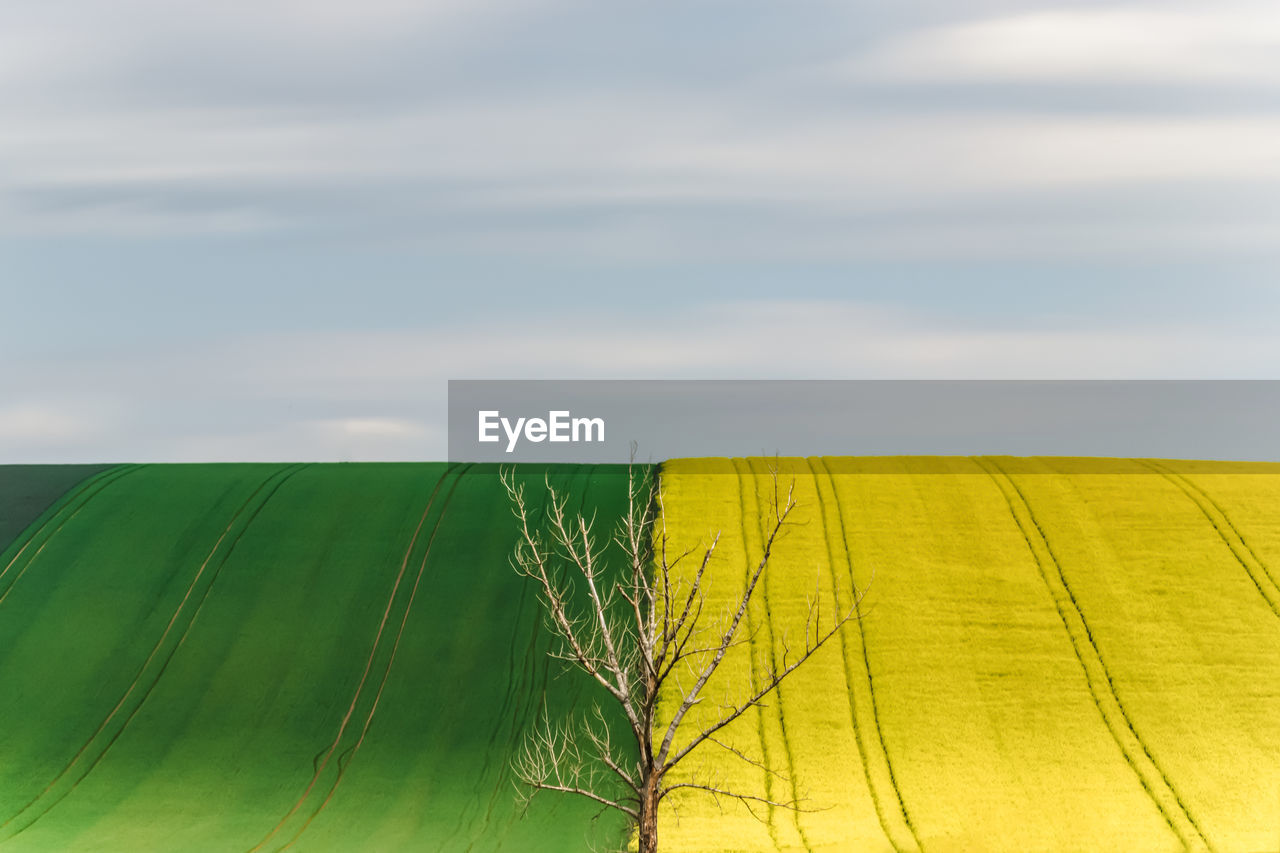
{"x": 1052, "y": 655}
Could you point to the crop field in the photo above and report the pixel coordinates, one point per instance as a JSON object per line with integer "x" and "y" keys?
{"x": 1049, "y": 657}
{"x": 269, "y": 657}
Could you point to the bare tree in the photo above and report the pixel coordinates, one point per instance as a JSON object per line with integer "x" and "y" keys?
{"x": 643, "y": 631}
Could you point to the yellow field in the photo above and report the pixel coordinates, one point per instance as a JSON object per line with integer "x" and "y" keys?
{"x": 1050, "y": 658}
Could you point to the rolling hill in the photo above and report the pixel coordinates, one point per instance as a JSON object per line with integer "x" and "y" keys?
{"x": 1052, "y": 654}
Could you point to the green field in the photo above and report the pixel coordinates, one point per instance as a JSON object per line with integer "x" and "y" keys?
{"x": 1049, "y": 658}
{"x": 267, "y": 657}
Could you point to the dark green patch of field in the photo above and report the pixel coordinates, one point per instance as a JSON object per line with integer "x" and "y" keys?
{"x": 27, "y": 491}
{"x": 269, "y": 657}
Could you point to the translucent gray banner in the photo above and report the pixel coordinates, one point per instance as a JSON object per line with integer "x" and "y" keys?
{"x": 598, "y": 421}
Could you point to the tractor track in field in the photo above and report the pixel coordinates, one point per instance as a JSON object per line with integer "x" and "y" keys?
{"x": 62, "y": 515}
{"x": 516, "y": 680}
{"x": 514, "y": 689}
{"x": 244, "y": 510}
{"x": 346, "y": 757}
{"x": 519, "y": 680}
{"x": 1102, "y": 687}
{"x": 751, "y": 668}
{"x": 326, "y": 755}
{"x": 1245, "y": 555}
{"x": 768, "y": 626}
{"x": 883, "y": 752}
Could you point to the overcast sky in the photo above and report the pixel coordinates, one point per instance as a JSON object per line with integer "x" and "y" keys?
{"x": 273, "y": 230}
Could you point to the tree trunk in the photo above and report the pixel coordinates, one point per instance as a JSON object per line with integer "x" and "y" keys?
{"x": 649, "y": 815}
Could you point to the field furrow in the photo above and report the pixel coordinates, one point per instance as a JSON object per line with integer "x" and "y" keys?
{"x": 775, "y": 752}
{"x": 1101, "y": 684}
{"x": 1257, "y": 570}
{"x": 864, "y": 712}
{"x": 1190, "y": 645}
{"x": 326, "y": 754}
{"x": 345, "y": 759}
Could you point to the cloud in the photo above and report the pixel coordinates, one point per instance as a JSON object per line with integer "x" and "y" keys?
{"x": 573, "y": 176}
{"x": 33, "y": 429}
{"x": 572, "y": 148}
{"x": 387, "y": 427}
{"x": 57, "y": 31}
{"x": 174, "y": 172}
{"x": 1125, "y": 43}
{"x": 357, "y": 439}
{"x": 736, "y": 163}
{"x": 33, "y": 422}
